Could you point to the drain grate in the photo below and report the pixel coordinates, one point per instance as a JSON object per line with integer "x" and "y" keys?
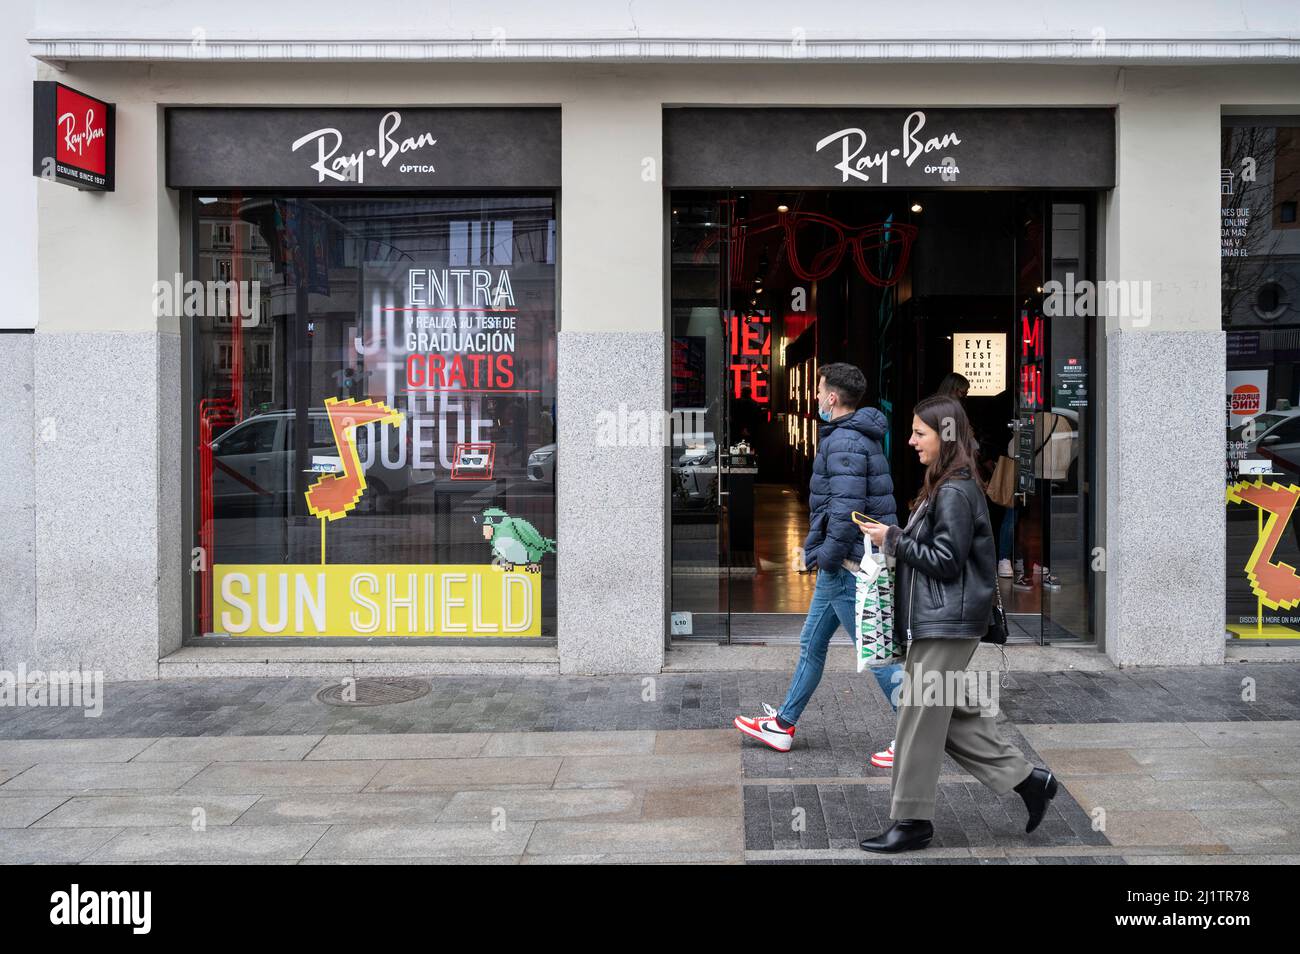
{"x": 373, "y": 692}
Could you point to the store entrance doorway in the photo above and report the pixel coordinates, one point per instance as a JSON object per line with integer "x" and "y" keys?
{"x": 912, "y": 288}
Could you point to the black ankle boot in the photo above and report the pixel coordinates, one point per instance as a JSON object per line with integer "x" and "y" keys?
{"x": 903, "y": 835}
{"x": 1037, "y": 790}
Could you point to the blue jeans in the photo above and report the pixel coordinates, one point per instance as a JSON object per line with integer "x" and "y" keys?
{"x": 889, "y": 678}
{"x": 832, "y": 606}
{"x": 1006, "y": 532}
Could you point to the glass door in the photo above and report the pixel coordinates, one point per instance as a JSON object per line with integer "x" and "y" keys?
{"x": 701, "y": 249}
{"x": 1066, "y": 464}
{"x": 1048, "y": 532}
{"x": 742, "y": 378}
{"x": 912, "y": 289}
{"x": 764, "y": 286}
{"x": 1022, "y": 533}
{"x": 770, "y": 337}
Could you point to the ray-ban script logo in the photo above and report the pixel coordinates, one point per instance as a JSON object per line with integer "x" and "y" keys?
{"x": 332, "y": 163}
{"x": 855, "y": 158}
{"x": 78, "y": 140}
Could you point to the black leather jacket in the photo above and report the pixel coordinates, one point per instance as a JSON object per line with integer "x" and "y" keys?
{"x": 946, "y": 565}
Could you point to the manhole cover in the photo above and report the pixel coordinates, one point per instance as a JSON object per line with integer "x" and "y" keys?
{"x": 373, "y": 692}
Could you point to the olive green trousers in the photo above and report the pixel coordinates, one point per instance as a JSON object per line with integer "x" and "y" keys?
{"x": 933, "y": 719}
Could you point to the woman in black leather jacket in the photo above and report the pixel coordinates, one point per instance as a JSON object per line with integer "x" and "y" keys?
{"x": 946, "y": 559}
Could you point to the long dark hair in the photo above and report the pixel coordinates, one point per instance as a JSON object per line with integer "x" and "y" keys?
{"x": 945, "y": 415}
{"x": 953, "y": 385}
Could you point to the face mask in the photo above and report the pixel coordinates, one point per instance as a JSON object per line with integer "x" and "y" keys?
{"x": 823, "y": 414}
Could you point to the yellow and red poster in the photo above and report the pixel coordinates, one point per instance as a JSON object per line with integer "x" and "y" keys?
{"x": 1276, "y": 585}
{"x": 358, "y": 600}
{"x": 465, "y": 600}
{"x": 419, "y": 445}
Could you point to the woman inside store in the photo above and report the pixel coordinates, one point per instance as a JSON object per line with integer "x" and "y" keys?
{"x": 946, "y": 565}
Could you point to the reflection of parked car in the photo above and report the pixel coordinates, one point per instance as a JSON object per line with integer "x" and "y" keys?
{"x": 254, "y": 462}
{"x": 1275, "y": 448}
{"x": 541, "y": 464}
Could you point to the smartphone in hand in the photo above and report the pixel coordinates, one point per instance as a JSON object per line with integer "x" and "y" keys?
{"x": 862, "y": 520}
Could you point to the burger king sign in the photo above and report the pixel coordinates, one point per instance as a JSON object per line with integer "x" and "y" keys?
{"x": 1247, "y": 395}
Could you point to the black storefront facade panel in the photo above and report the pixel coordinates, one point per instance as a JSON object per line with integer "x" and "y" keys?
{"x": 907, "y": 147}
{"x": 395, "y": 148}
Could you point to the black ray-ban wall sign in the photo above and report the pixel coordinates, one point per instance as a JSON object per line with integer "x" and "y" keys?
{"x": 72, "y": 137}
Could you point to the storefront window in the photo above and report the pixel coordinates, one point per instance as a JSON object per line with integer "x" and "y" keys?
{"x": 767, "y": 286}
{"x": 1260, "y": 255}
{"x": 374, "y": 420}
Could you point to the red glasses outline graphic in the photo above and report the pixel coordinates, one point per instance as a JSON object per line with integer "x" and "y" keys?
{"x": 823, "y": 261}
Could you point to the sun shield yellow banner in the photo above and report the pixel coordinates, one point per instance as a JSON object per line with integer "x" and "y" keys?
{"x": 444, "y": 600}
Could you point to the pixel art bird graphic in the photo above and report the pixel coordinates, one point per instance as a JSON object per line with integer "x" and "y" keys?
{"x": 514, "y": 540}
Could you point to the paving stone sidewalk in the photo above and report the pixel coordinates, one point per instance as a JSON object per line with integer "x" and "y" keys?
{"x": 1180, "y": 763}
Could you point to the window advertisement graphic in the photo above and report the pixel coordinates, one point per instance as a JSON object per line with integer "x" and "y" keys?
{"x": 1259, "y": 188}
{"x": 370, "y": 417}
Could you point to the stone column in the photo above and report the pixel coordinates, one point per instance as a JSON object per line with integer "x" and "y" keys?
{"x": 1163, "y": 406}
{"x": 610, "y": 476}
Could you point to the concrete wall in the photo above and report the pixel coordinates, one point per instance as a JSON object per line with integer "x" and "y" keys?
{"x": 18, "y": 198}
{"x": 17, "y": 504}
{"x": 102, "y": 365}
{"x": 1086, "y": 21}
{"x": 17, "y": 318}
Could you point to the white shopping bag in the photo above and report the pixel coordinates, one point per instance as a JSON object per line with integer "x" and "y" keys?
{"x": 874, "y": 606}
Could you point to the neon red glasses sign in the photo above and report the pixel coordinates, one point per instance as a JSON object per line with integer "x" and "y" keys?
{"x": 751, "y": 350}
{"x": 1032, "y": 361}
{"x": 815, "y": 245}
{"x": 72, "y": 137}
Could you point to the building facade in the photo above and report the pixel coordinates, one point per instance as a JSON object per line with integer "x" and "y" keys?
{"x": 492, "y": 349}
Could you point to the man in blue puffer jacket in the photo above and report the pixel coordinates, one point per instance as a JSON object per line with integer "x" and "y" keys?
{"x": 849, "y": 473}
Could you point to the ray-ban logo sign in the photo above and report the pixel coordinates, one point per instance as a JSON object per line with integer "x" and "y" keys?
{"x": 857, "y": 155}
{"x": 335, "y": 164}
{"x": 72, "y": 137}
{"x": 81, "y": 134}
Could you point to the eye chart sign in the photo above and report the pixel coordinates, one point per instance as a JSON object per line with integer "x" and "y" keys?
{"x": 981, "y": 359}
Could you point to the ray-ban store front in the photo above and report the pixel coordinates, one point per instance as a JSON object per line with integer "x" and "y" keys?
{"x": 357, "y": 466}
{"x": 916, "y": 243}
{"x": 370, "y": 428}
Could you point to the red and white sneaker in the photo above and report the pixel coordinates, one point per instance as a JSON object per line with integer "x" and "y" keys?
{"x": 884, "y": 759}
{"x": 766, "y": 730}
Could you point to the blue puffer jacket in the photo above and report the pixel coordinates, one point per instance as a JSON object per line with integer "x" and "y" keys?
{"x": 849, "y": 473}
